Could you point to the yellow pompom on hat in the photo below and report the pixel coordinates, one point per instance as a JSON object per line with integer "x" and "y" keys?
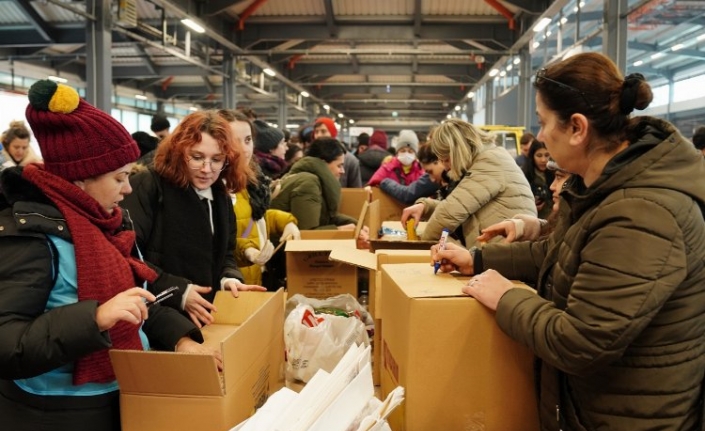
{"x": 77, "y": 140}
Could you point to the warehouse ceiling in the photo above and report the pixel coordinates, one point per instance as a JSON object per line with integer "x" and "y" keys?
{"x": 382, "y": 63}
{"x": 378, "y": 62}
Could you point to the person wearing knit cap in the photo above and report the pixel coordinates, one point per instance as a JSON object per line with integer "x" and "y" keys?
{"x": 403, "y": 168}
{"x": 373, "y": 157}
{"x": 270, "y": 149}
{"x": 69, "y": 279}
{"x": 379, "y": 138}
{"x": 324, "y": 127}
{"x": 407, "y": 139}
{"x": 183, "y": 214}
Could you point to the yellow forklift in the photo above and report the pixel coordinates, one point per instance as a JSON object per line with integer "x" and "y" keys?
{"x": 506, "y": 136}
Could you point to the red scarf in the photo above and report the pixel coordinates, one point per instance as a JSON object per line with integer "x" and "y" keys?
{"x": 104, "y": 264}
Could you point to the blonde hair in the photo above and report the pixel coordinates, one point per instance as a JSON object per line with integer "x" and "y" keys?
{"x": 460, "y": 142}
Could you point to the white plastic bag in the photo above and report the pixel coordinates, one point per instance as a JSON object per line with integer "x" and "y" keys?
{"x": 318, "y": 341}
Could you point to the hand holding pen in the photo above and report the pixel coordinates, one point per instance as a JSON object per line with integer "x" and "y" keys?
{"x": 129, "y": 306}
{"x": 441, "y": 247}
{"x": 452, "y": 258}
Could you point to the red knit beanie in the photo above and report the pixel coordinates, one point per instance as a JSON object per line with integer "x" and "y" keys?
{"x": 379, "y": 138}
{"x": 330, "y": 125}
{"x": 77, "y": 141}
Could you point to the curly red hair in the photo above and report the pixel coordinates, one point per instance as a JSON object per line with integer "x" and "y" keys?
{"x": 170, "y": 157}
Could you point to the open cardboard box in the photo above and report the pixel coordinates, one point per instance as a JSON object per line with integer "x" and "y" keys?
{"x": 311, "y": 273}
{"x": 460, "y": 371}
{"x": 185, "y": 392}
{"x": 373, "y": 262}
{"x": 380, "y": 243}
{"x": 351, "y": 200}
{"x": 390, "y": 209}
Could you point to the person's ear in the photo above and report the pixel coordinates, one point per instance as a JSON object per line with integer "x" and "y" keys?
{"x": 578, "y": 129}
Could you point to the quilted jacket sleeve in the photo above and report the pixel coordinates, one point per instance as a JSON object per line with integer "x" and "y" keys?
{"x": 35, "y": 341}
{"x": 610, "y": 302}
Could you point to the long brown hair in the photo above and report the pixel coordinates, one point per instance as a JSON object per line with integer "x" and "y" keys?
{"x": 170, "y": 158}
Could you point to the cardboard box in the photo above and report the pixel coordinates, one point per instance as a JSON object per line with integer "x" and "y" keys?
{"x": 327, "y": 234}
{"x": 460, "y": 371}
{"x": 310, "y": 272}
{"x": 373, "y": 262}
{"x": 376, "y": 221}
{"x": 185, "y": 392}
{"x": 351, "y": 200}
{"x": 390, "y": 208}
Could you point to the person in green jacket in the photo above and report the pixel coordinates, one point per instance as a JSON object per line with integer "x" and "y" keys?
{"x": 617, "y": 321}
{"x": 311, "y": 190}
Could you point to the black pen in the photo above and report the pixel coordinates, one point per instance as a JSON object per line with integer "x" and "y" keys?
{"x": 166, "y": 294}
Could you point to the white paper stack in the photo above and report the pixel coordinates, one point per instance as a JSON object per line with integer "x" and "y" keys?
{"x": 342, "y": 400}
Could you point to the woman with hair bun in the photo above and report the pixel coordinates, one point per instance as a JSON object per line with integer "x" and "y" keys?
{"x": 618, "y": 324}
{"x": 16, "y": 150}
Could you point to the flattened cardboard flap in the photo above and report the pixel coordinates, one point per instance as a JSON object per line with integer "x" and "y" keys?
{"x": 317, "y": 244}
{"x": 166, "y": 373}
{"x": 353, "y": 256}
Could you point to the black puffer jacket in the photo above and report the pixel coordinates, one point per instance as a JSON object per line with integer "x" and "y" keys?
{"x": 35, "y": 341}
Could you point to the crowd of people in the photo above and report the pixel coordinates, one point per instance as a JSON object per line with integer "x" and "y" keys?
{"x": 601, "y": 214}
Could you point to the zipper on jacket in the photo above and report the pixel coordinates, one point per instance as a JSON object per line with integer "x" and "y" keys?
{"x": 558, "y": 417}
{"x": 19, "y": 214}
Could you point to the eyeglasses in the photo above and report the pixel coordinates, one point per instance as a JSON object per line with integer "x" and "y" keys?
{"x": 541, "y": 76}
{"x": 198, "y": 162}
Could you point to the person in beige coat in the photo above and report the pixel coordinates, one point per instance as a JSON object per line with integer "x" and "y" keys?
{"x": 491, "y": 187}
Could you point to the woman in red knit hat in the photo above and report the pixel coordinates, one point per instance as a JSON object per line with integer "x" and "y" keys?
{"x": 70, "y": 289}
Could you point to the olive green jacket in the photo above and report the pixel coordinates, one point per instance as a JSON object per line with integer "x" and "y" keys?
{"x": 311, "y": 193}
{"x": 619, "y": 322}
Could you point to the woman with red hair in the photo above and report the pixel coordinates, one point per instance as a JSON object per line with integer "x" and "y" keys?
{"x": 183, "y": 214}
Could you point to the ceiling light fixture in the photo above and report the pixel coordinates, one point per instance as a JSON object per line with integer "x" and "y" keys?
{"x": 269, "y": 71}
{"x": 494, "y": 72}
{"x": 543, "y": 23}
{"x": 326, "y": 107}
{"x": 57, "y": 79}
{"x": 638, "y": 63}
{"x": 192, "y": 109}
{"x": 140, "y": 97}
{"x": 192, "y": 25}
{"x": 305, "y": 94}
{"x": 677, "y": 47}
{"x": 657, "y": 55}
{"x": 340, "y": 115}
